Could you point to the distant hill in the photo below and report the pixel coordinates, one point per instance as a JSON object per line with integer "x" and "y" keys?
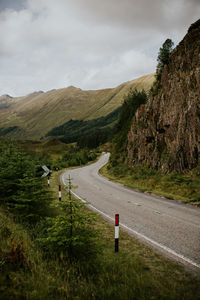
{"x": 33, "y": 116}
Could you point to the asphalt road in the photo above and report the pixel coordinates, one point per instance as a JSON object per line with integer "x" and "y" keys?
{"x": 171, "y": 227}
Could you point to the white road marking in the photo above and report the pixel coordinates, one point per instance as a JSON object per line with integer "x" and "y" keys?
{"x": 180, "y": 256}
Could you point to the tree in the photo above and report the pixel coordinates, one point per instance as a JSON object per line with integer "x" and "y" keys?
{"x": 71, "y": 234}
{"x": 132, "y": 102}
{"x": 163, "y": 56}
{"x": 22, "y": 192}
{"x": 163, "y": 59}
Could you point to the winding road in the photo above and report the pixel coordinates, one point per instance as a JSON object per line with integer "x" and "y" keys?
{"x": 172, "y": 227}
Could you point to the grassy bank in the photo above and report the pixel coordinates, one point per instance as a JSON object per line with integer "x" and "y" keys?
{"x": 185, "y": 188}
{"x": 136, "y": 272}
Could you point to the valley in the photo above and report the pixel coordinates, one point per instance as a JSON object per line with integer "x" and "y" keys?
{"x": 148, "y": 129}
{"x": 34, "y": 115}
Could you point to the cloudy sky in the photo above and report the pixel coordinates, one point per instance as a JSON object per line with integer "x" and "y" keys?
{"x": 91, "y": 44}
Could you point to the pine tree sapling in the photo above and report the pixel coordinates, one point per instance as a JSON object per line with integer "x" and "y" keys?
{"x": 71, "y": 234}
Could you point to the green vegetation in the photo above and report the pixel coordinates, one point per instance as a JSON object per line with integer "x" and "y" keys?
{"x": 185, "y": 187}
{"x": 70, "y": 234}
{"x": 38, "y": 263}
{"x": 51, "y": 147}
{"x": 163, "y": 59}
{"x": 60, "y": 250}
{"x": 56, "y": 153}
{"x": 37, "y": 113}
{"x": 88, "y": 134}
{"x": 22, "y": 192}
{"x": 163, "y": 56}
{"x": 75, "y": 156}
{"x": 132, "y": 102}
{"x": 7, "y": 130}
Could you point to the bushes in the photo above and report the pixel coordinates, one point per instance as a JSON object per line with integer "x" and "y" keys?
{"x": 131, "y": 103}
{"x": 183, "y": 187}
{"x": 75, "y": 156}
{"x": 71, "y": 233}
{"x": 32, "y": 256}
{"x": 90, "y": 134}
{"x": 22, "y": 193}
{"x": 82, "y": 265}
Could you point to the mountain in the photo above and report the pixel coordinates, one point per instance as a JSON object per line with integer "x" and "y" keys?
{"x": 91, "y": 133}
{"x": 5, "y": 101}
{"x": 165, "y": 133}
{"x": 32, "y": 116}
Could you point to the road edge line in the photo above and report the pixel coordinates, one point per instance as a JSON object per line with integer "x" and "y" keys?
{"x": 180, "y": 256}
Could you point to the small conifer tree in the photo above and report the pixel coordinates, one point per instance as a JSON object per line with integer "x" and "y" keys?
{"x": 22, "y": 192}
{"x": 163, "y": 56}
{"x": 163, "y": 59}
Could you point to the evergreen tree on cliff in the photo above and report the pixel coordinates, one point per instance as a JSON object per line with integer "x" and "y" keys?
{"x": 163, "y": 56}
{"x": 163, "y": 59}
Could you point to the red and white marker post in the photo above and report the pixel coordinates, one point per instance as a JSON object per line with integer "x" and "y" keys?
{"x": 59, "y": 192}
{"x": 116, "y": 232}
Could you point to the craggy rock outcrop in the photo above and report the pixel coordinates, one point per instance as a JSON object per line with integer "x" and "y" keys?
{"x": 5, "y": 101}
{"x": 165, "y": 133}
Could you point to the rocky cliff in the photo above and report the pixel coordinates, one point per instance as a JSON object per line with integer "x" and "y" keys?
{"x": 165, "y": 133}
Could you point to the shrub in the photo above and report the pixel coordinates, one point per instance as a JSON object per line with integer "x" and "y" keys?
{"x": 71, "y": 234}
{"x": 22, "y": 192}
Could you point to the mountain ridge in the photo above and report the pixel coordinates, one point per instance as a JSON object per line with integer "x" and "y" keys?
{"x": 32, "y": 116}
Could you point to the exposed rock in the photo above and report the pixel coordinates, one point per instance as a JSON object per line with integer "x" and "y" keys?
{"x": 165, "y": 133}
{"x": 5, "y": 101}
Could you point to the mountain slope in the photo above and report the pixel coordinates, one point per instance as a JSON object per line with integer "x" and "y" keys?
{"x": 5, "y": 101}
{"x": 91, "y": 133}
{"x": 34, "y": 115}
{"x": 165, "y": 133}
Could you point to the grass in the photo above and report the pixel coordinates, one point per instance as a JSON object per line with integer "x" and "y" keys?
{"x": 136, "y": 272}
{"x": 37, "y": 114}
{"x": 51, "y": 147}
{"x": 182, "y": 187}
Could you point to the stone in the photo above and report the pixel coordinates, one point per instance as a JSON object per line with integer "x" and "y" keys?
{"x": 165, "y": 133}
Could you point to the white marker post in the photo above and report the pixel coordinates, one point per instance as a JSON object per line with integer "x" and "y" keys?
{"x": 59, "y": 192}
{"x": 117, "y": 233}
{"x": 48, "y": 181}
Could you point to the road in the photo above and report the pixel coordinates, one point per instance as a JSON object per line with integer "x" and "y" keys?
{"x": 171, "y": 227}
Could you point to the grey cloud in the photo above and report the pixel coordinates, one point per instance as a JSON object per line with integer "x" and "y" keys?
{"x": 88, "y": 43}
{"x": 141, "y": 13}
{"x": 10, "y": 4}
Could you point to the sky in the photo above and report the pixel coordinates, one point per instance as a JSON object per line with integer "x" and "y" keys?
{"x": 90, "y": 44}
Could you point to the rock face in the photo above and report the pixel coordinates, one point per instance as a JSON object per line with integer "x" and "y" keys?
{"x": 165, "y": 133}
{"x": 5, "y": 101}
